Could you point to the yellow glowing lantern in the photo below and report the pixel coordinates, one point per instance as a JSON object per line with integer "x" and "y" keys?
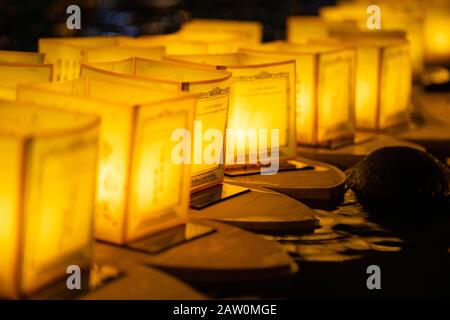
{"x": 395, "y": 15}
{"x": 13, "y": 74}
{"x": 263, "y": 98}
{"x": 211, "y": 87}
{"x": 190, "y": 42}
{"x": 383, "y": 82}
{"x": 437, "y": 31}
{"x": 20, "y": 57}
{"x": 301, "y": 28}
{"x": 115, "y": 53}
{"x": 140, "y": 190}
{"x": 249, "y": 30}
{"x": 325, "y": 90}
{"x": 49, "y": 162}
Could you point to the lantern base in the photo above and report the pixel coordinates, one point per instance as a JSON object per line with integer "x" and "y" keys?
{"x": 97, "y": 277}
{"x": 171, "y": 237}
{"x": 213, "y": 195}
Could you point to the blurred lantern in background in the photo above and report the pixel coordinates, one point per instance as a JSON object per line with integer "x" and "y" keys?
{"x": 21, "y": 57}
{"x": 13, "y": 74}
{"x": 140, "y": 189}
{"x": 383, "y": 81}
{"x": 67, "y": 54}
{"x": 212, "y": 90}
{"x": 251, "y": 31}
{"x": 325, "y": 90}
{"x": 300, "y": 29}
{"x": 49, "y": 162}
{"x": 263, "y": 98}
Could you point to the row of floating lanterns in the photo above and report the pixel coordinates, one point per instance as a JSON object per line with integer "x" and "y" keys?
{"x": 92, "y": 118}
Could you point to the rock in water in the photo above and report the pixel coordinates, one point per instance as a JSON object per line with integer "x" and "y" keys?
{"x": 400, "y": 178}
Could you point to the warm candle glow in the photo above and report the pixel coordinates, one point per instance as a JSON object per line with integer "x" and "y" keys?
{"x": 139, "y": 188}
{"x": 211, "y": 87}
{"x": 263, "y": 95}
{"x": 383, "y": 81}
{"x": 325, "y": 90}
{"x": 49, "y": 162}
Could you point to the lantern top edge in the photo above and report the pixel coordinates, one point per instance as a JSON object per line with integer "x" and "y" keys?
{"x": 287, "y": 48}
{"x": 223, "y": 66}
{"x": 70, "y": 122}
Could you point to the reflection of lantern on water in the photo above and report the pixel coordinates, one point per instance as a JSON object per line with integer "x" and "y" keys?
{"x": 211, "y": 87}
{"x": 139, "y": 188}
{"x": 251, "y": 31}
{"x": 67, "y": 54}
{"x": 13, "y": 74}
{"x": 49, "y": 162}
{"x": 262, "y": 97}
{"x": 383, "y": 81}
{"x": 325, "y": 90}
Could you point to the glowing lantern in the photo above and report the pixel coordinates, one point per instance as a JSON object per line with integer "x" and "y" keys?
{"x": 437, "y": 31}
{"x": 190, "y": 42}
{"x": 20, "y": 57}
{"x": 263, "y": 98}
{"x": 325, "y": 91}
{"x": 249, "y": 30}
{"x": 301, "y": 28}
{"x": 140, "y": 190}
{"x": 13, "y": 74}
{"x": 383, "y": 82}
{"x": 67, "y": 54}
{"x": 394, "y": 16}
{"x": 46, "y": 196}
{"x": 211, "y": 87}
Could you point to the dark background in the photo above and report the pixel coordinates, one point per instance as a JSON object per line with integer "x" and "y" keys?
{"x": 22, "y": 22}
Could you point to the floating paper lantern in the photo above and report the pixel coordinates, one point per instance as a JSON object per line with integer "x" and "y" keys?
{"x": 249, "y": 30}
{"x": 49, "y": 162}
{"x": 13, "y": 74}
{"x": 383, "y": 82}
{"x": 263, "y": 97}
{"x": 325, "y": 91}
{"x": 301, "y": 28}
{"x": 190, "y": 42}
{"x": 21, "y": 57}
{"x": 211, "y": 87}
{"x": 140, "y": 188}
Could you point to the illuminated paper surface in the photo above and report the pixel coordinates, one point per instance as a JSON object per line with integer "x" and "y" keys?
{"x": 383, "y": 81}
{"x": 140, "y": 188}
{"x": 263, "y": 95}
{"x": 49, "y": 162}
{"x": 13, "y": 74}
{"x": 212, "y": 89}
{"x": 325, "y": 90}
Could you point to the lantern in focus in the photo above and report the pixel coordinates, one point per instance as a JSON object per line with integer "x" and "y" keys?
{"x": 301, "y": 28}
{"x": 21, "y": 57}
{"x": 325, "y": 91}
{"x": 13, "y": 74}
{"x": 115, "y": 53}
{"x": 263, "y": 98}
{"x": 49, "y": 162}
{"x": 383, "y": 81}
{"x": 140, "y": 189}
{"x": 211, "y": 87}
{"x": 251, "y": 31}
